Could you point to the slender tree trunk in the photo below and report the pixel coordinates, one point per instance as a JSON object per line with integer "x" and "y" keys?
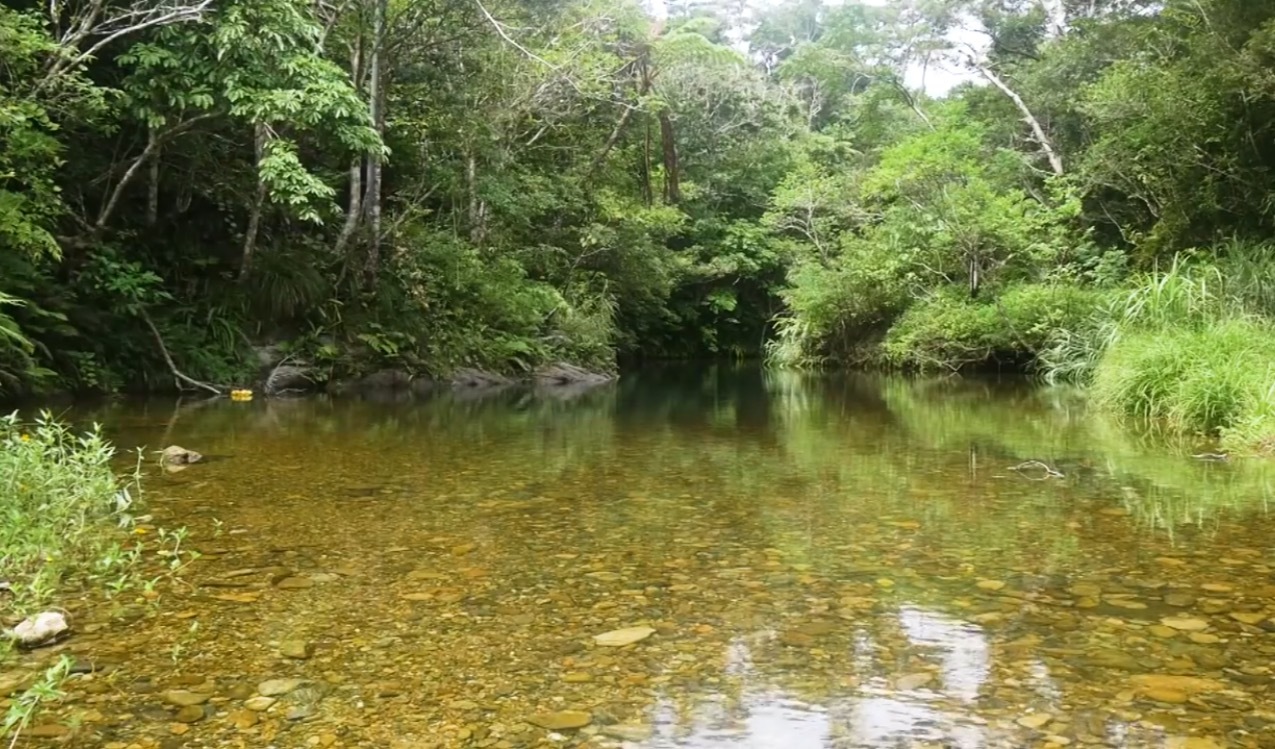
{"x": 258, "y": 203}
{"x": 1055, "y": 160}
{"x": 647, "y": 194}
{"x": 354, "y": 207}
{"x": 152, "y": 184}
{"x": 672, "y": 186}
{"x": 375, "y": 171}
{"x": 473, "y": 210}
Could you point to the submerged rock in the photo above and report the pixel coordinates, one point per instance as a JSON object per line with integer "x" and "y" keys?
{"x": 621, "y": 637}
{"x": 40, "y": 629}
{"x": 277, "y": 687}
{"x": 561, "y": 720}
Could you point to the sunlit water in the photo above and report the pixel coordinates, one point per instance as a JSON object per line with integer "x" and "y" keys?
{"x": 837, "y": 562}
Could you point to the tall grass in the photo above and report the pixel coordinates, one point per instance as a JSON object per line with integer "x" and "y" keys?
{"x": 1192, "y": 347}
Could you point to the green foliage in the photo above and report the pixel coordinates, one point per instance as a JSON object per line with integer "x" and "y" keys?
{"x": 1199, "y": 380}
{"x": 950, "y": 331}
{"x": 62, "y": 499}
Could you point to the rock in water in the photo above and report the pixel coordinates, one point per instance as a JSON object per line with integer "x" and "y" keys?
{"x": 561, "y": 720}
{"x": 298, "y": 649}
{"x": 621, "y": 637}
{"x": 276, "y": 687}
{"x": 176, "y": 458}
{"x": 184, "y": 698}
{"x": 39, "y": 629}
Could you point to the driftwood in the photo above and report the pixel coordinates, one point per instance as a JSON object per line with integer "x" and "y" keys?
{"x": 1050, "y": 472}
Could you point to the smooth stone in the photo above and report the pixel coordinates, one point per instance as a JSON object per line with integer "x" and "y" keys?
{"x": 184, "y": 698}
{"x": 1188, "y": 684}
{"x": 190, "y": 714}
{"x": 39, "y": 629}
{"x": 561, "y": 720}
{"x": 276, "y": 687}
{"x": 1247, "y": 617}
{"x": 298, "y": 649}
{"x": 1161, "y": 631}
{"x": 627, "y": 732}
{"x": 621, "y": 637}
{"x": 260, "y": 704}
{"x": 1185, "y": 624}
{"x": 300, "y": 712}
{"x": 1035, "y": 721}
{"x": 1169, "y": 696}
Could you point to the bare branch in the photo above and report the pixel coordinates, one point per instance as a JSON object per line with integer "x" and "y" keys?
{"x": 1055, "y": 160}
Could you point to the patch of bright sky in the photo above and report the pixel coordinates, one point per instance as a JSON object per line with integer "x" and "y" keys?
{"x": 937, "y": 76}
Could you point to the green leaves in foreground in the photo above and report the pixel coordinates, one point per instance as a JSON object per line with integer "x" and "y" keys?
{"x": 63, "y": 509}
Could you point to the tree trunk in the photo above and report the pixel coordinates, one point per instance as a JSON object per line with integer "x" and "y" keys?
{"x": 1055, "y": 160}
{"x": 354, "y": 207}
{"x": 375, "y": 171}
{"x": 258, "y": 203}
{"x": 672, "y": 187}
{"x": 152, "y": 185}
{"x": 474, "y": 209}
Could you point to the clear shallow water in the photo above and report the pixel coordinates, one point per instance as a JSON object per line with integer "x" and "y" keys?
{"x": 837, "y": 562}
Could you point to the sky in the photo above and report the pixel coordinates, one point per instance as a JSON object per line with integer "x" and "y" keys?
{"x": 936, "y": 78}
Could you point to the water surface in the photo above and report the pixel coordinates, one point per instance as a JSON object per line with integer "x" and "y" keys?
{"x": 831, "y": 562}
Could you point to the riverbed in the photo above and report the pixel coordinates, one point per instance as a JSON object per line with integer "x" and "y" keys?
{"x": 790, "y": 562}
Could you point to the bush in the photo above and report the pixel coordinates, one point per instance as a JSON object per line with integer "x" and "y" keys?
{"x": 62, "y": 509}
{"x": 62, "y": 504}
{"x": 952, "y": 331}
{"x": 1208, "y": 380}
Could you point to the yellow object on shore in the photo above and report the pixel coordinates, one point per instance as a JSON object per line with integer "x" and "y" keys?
{"x": 240, "y": 395}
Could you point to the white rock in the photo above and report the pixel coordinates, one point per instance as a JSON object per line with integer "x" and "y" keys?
{"x": 39, "y": 629}
{"x": 621, "y": 637}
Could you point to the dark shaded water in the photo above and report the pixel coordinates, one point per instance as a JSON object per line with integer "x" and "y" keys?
{"x": 835, "y": 562}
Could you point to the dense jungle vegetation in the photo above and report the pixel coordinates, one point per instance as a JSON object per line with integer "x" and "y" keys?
{"x": 433, "y": 184}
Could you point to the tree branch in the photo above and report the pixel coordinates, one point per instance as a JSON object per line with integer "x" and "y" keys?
{"x": 1055, "y": 161}
{"x": 177, "y": 373}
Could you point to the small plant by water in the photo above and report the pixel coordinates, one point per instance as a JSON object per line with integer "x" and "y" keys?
{"x": 64, "y": 518}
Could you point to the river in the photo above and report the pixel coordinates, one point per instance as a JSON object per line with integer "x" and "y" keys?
{"x": 808, "y": 562}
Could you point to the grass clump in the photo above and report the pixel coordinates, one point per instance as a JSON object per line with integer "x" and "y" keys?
{"x": 63, "y": 513}
{"x": 1214, "y": 379}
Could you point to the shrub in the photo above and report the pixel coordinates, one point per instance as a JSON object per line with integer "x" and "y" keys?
{"x": 61, "y": 503}
{"x": 950, "y": 330}
{"x": 61, "y": 510}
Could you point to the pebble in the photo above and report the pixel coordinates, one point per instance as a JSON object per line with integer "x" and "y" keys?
{"x": 184, "y": 698}
{"x": 561, "y": 720}
{"x": 189, "y": 714}
{"x": 260, "y": 704}
{"x": 621, "y": 637}
{"x": 297, "y": 649}
{"x": 276, "y": 687}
